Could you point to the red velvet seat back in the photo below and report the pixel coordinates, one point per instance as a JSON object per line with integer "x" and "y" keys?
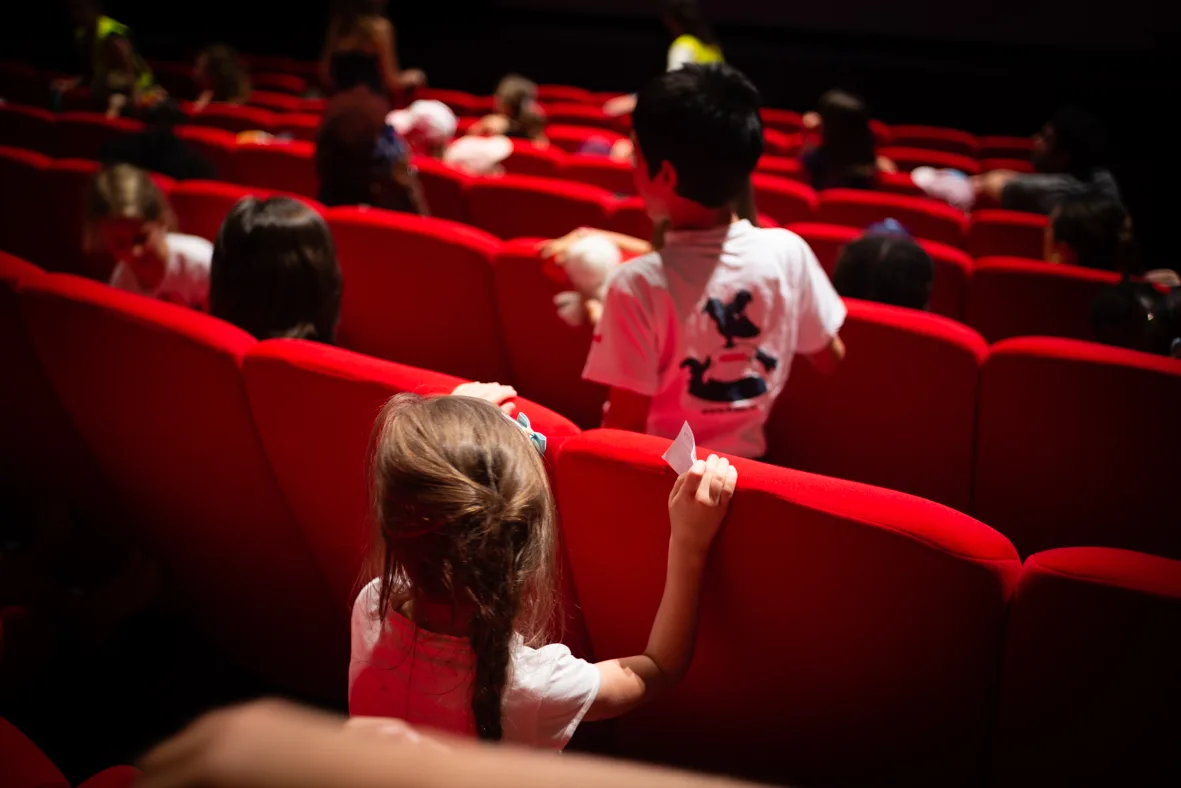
{"x": 784, "y": 200}
{"x": 923, "y": 218}
{"x": 81, "y": 135}
{"x": 202, "y": 206}
{"x": 899, "y": 412}
{"x": 530, "y": 159}
{"x": 909, "y": 158}
{"x": 156, "y": 392}
{"x": 546, "y": 353}
{"x": 519, "y": 206}
{"x": 30, "y": 128}
{"x": 572, "y": 138}
{"x": 995, "y": 232}
{"x": 24, "y": 205}
{"x": 614, "y": 176}
{"x": 444, "y": 188}
{"x": 67, "y": 184}
{"x": 936, "y": 138}
{"x": 419, "y": 291}
{"x": 322, "y": 463}
{"x": 217, "y": 145}
{"x": 848, "y": 634}
{"x": 235, "y": 118}
{"x": 1090, "y": 688}
{"x": 1015, "y": 297}
{"x": 1076, "y": 445}
{"x": 286, "y": 167}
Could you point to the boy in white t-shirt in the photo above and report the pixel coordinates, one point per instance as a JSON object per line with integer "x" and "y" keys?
{"x": 705, "y": 329}
{"x": 129, "y": 218}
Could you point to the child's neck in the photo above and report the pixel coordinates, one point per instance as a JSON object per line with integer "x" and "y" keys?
{"x": 442, "y": 618}
{"x": 693, "y": 216}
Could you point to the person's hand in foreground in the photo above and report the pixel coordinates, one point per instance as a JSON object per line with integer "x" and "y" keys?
{"x": 495, "y": 393}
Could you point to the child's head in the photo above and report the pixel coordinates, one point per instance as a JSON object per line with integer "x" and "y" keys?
{"x": 515, "y": 95}
{"x": 846, "y": 135}
{"x": 128, "y": 217}
{"x": 1072, "y": 142}
{"x": 220, "y": 70}
{"x": 1090, "y": 232}
{"x": 886, "y": 268}
{"x": 698, "y": 136}
{"x": 1138, "y": 316}
{"x": 274, "y": 271}
{"x": 428, "y": 126}
{"x": 466, "y": 521}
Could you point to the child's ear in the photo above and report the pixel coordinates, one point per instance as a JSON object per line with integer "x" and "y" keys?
{"x": 667, "y": 175}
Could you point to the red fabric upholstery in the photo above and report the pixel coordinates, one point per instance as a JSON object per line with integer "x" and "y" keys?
{"x": 530, "y": 159}
{"x": 1018, "y": 165}
{"x": 783, "y": 120}
{"x": 631, "y": 218}
{"x": 782, "y": 166}
{"x": 299, "y": 126}
{"x": 202, "y": 206}
{"x": 953, "y": 268}
{"x": 565, "y": 93}
{"x": 217, "y": 145}
{"x": 572, "y": 138}
{"x": 907, "y": 158}
{"x": 1090, "y": 688}
{"x": 614, "y": 176}
{"x": 114, "y": 777}
{"x": 923, "y": 218}
{"x": 419, "y": 291}
{"x": 22, "y": 764}
{"x": 287, "y": 167}
{"x": 276, "y": 102}
{"x": 571, "y": 114}
{"x": 67, "y": 184}
{"x": 155, "y": 391}
{"x": 777, "y": 143}
{"x": 899, "y": 183}
{"x": 861, "y": 628}
{"x": 1014, "y": 297}
{"x": 1075, "y": 445}
{"x": 24, "y": 204}
{"x": 935, "y": 138}
{"x": 321, "y": 463}
{"x": 461, "y": 103}
{"x": 284, "y": 65}
{"x": 784, "y": 200}
{"x": 997, "y": 147}
{"x": 81, "y": 135}
{"x": 445, "y": 189}
{"x": 30, "y": 128}
{"x": 235, "y": 118}
{"x": 23, "y": 84}
{"x": 998, "y": 233}
{"x": 176, "y": 78}
{"x": 546, "y": 353}
{"x": 909, "y": 380}
{"x": 516, "y": 206}
{"x": 279, "y": 82}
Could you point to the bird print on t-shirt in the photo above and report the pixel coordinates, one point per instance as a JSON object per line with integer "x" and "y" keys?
{"x": 732, "y": 324}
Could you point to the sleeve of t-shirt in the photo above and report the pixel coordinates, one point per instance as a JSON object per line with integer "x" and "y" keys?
{"x": 624, "y": 353}
{"x": 680, "y": 55}
{"x": 568, "y": 690}
{"x": 821, "y": 310}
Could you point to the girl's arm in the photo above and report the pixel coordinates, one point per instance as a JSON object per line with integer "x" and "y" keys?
{"x": 556, "y": 248}
{"x": 387, "y": 55}
{"x": 696, "y": 507}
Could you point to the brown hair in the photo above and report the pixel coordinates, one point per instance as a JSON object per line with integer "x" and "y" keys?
{"x": 516, "y": 95}
{"x": 223, "y": 72}
{"x": 465, "y": 516}
{"x": 121, "y": 191}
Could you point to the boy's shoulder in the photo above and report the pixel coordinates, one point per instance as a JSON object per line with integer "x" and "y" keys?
{"x": 643, "y": 272}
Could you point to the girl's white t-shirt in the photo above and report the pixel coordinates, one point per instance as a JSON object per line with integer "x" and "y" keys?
{"x": 186, "y": 273}
{"x": 400, "y": 670}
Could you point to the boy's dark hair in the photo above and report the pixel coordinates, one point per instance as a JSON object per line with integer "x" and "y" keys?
{"x": 1094, "y": 228}
{"x": 1137, "y": 316}
{"x": 274, "y": 271}
{"x": 888, "y": 269}
{"x": 704, "y": 121}
{"x": 1078, "y": 142}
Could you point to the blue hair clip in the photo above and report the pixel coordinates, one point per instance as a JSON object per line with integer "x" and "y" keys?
{"x": 890, "y": 226}
{"x": 536, "y": 438}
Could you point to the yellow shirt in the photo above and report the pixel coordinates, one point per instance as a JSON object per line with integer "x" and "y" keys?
{"x": 690, "y": 49}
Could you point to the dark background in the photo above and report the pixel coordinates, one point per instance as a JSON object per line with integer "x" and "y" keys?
{"x": 991, "y": 66}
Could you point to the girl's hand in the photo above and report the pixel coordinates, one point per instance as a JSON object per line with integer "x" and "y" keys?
{"x": 699, "y": 501}
{"x": 620, "y": 105}
{"x": 489, "y": 392}
{"x": 412, "y": 78}
{"x": 556, "y": 247}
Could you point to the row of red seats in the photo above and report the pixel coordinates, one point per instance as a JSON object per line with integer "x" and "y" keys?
{"x": 864, "y": 633}
{"x": 24, "y": 765}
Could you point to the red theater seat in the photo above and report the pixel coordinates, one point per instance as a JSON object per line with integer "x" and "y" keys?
{"x": 299, "y": 125}
{"x": 279, "y": 83}
{"x": 419, "y": 291}
{"x": 23, "y": 765}
{"x": 908, "y": 159}
{"x": 1075, "y": 446}
{"x": 997, "y": 233}
{"x": 1090, "y": 689}
{"x": 564, "y": 93}
{"x": 782, "y": 120}
{"x": 1015, "y": 297}
{"x": 1017, "y": 165}
{"x": 461, "y": 103}
{"x": 614, "y": 176}
{"x": 81, "y": 135}
{"x": 517, "y": 206}
{"x": 547, "y": 354}
{"x": 584, "y": 115}
{"x": 784, "y": 200}
{"x": 24, "y": 204}
{"x": 321, "y": 464}
{"x": 67, "y": 184}
{"x": 217, "y": 145}
{"x": 235, "y": 118}
{"x": 176, "y": 78}
{"x": 155, "y": 391}
{"x": 848, "y": 634}
{"x": 935, "y": 138}
{"x": 777, "y": 143}
{"x": 445, "y": 189}
{"x": 899, "y": 183}
{"x": 202, "y": 206}
{"x": 283, "y": 166}
{"x": 572, "y": 138}
{"x": 30, "y": 128}
{"x": 631, "y": 218}
{"x": 1006, "y": 147}
{"x": 953, "y": 267}
{"x": 530, "y": 159}
{"x": 909, "y": 380}
{"x": 782, "y": 166}
{"x": 275, "y": 102}
{"x": 21, "y": 83}
{"x": 923, "y": 218}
